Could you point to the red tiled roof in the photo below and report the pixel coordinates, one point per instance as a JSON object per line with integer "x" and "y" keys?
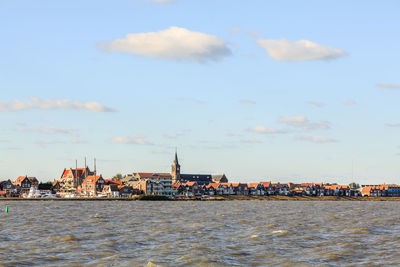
{"x": 111, "y": 181}
{"x": 78, "y": 171}
{"x": 213, "y": 185}
{"x": 252, "y": 185}
{"x": 91, "y": 179}
{"x": 266, "y": 184}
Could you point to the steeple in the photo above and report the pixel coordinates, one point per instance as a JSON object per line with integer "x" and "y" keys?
{"x": 176, "y": 168}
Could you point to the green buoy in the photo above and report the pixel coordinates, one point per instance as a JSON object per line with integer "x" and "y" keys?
{"x": 6, "y": 209}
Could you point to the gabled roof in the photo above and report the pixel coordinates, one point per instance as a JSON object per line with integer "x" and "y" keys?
{"x": 111, "y": 181}
{"x": 91, "y": 179}
{"x": 213, "y": 185}
{"x": 266, "y": 184}
{"x": 19, "y": 180}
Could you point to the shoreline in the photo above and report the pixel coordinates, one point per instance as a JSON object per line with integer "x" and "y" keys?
{"x": 217, "y": 198}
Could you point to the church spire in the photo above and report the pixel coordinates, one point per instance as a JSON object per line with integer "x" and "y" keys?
{"x": 176, "y": 157}
{"x": 176, "y": 168}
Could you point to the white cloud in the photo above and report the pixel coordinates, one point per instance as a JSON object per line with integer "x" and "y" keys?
{"x": 138, "y": 140}
{"x": 235, "y": 30}
{"x": 57, "y": 130}
{"x": 388, "y": 85}
{"x": 163, "y": 1}
{"x": 191, "y": 100}
{"x": 49, "y": 130}
{"x": 285, "y": 50}
{"x": 51, "y": 104}
{"x": 393, "y": 124}
{"x": 265, "y": 130}
{"x": 248, "y": 101}
{"x": 350, "y": 102}
{"x": 317, "y": 104}
{"x": 253, "y": 32}
{"x": 304, "y": 123}
{"x": 315, "y": 139}
{"x": 173, "y": 43}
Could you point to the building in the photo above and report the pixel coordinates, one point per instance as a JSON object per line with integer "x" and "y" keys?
{"x": 92, "y": 185}
{"x": 200, "y": 179}
{"x": 24, "y": 183}
{"x": 72, "y": 179}
{"x": 152, "y": 183}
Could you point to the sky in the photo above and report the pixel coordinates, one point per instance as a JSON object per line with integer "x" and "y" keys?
{"x": 300, "y": 91}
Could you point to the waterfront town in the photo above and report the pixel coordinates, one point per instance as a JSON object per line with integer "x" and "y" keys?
{"x": 85, "y": 183}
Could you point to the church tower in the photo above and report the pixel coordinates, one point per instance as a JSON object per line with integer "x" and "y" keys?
{"x": 176, "y": 169}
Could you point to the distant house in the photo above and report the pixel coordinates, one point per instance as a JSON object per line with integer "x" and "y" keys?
{"x": 7, "y": 186}
{"x": 153, "y": 183}
{"x": 24, "y": 184}
{"x": 219, "y": 178}
{"x": 127, "y": 191}
{"x": 72, "y": 179}
{"x": 92, "y": 185}
{"x": 375, "y": 190}
{"x": 111, "y": 190}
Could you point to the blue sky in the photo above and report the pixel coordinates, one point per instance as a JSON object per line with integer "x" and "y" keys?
{"x": 259, "y": 90}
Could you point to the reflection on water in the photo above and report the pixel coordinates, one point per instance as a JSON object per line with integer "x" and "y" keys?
{"x": 226, "y": 233}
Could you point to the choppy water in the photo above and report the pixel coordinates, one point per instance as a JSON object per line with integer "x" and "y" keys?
{"x": 227, "y": 233}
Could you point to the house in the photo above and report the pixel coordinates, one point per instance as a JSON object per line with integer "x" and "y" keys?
{"x": 337, "y": 190}
{"x": 240, "y": 189}
{"x": 153, "y": 183}
{"x": 92, "y": 185}
{"x": 256, "y": 189}
{"x": 127, "y": 191}
{"x": 24, "y": 184}
{"x": 7, "y": 186}
{"x": 219, "y": 178}
{"x": 282, "y": 189}
{"x": 375, "y": 190}
{"x": 111, "y": 190}
{"x": 211, "y": 189}
{"x": 72, "y": 179}
{"x": 269, "y": 190}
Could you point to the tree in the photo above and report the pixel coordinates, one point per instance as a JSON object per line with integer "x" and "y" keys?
{"x": 353, "y": 185}
{"x": 45, "y": 186}
{"x": 117, "y": 177}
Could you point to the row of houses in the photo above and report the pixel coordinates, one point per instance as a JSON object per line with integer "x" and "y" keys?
{"x": 264, "y": 189}
{"x": 18, "y": 187}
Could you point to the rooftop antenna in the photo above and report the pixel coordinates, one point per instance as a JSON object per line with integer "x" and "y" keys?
{"x": 85, "y": 168}
{"x": 95, "y": 168}
{"x": 76, "y": 173}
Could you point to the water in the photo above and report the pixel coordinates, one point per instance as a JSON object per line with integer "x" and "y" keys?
{"x": 221, "y": 233}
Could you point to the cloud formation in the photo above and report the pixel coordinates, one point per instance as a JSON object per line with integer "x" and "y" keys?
{"x": 51, "y": 104}
{"x": 301, "y": 50}
{"x": 303, "y": 123}
{"x": 350, "y": 102}
{"x": 173, "y": 43}
{"x": 248, "y": 102}
{"x": 135, "y": 139}
{"x": 265, "y": 130}
{"x": 388, "y": 85}
{"x": 393, "y": 124}
{"x": 315, "y": 139}
{"x": 317, "y": 104}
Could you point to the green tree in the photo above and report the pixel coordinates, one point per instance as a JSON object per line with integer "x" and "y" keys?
{"x": 45, "y": 186}
{"x": 353, "y": 185}
{"x": 117, "y": 177}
